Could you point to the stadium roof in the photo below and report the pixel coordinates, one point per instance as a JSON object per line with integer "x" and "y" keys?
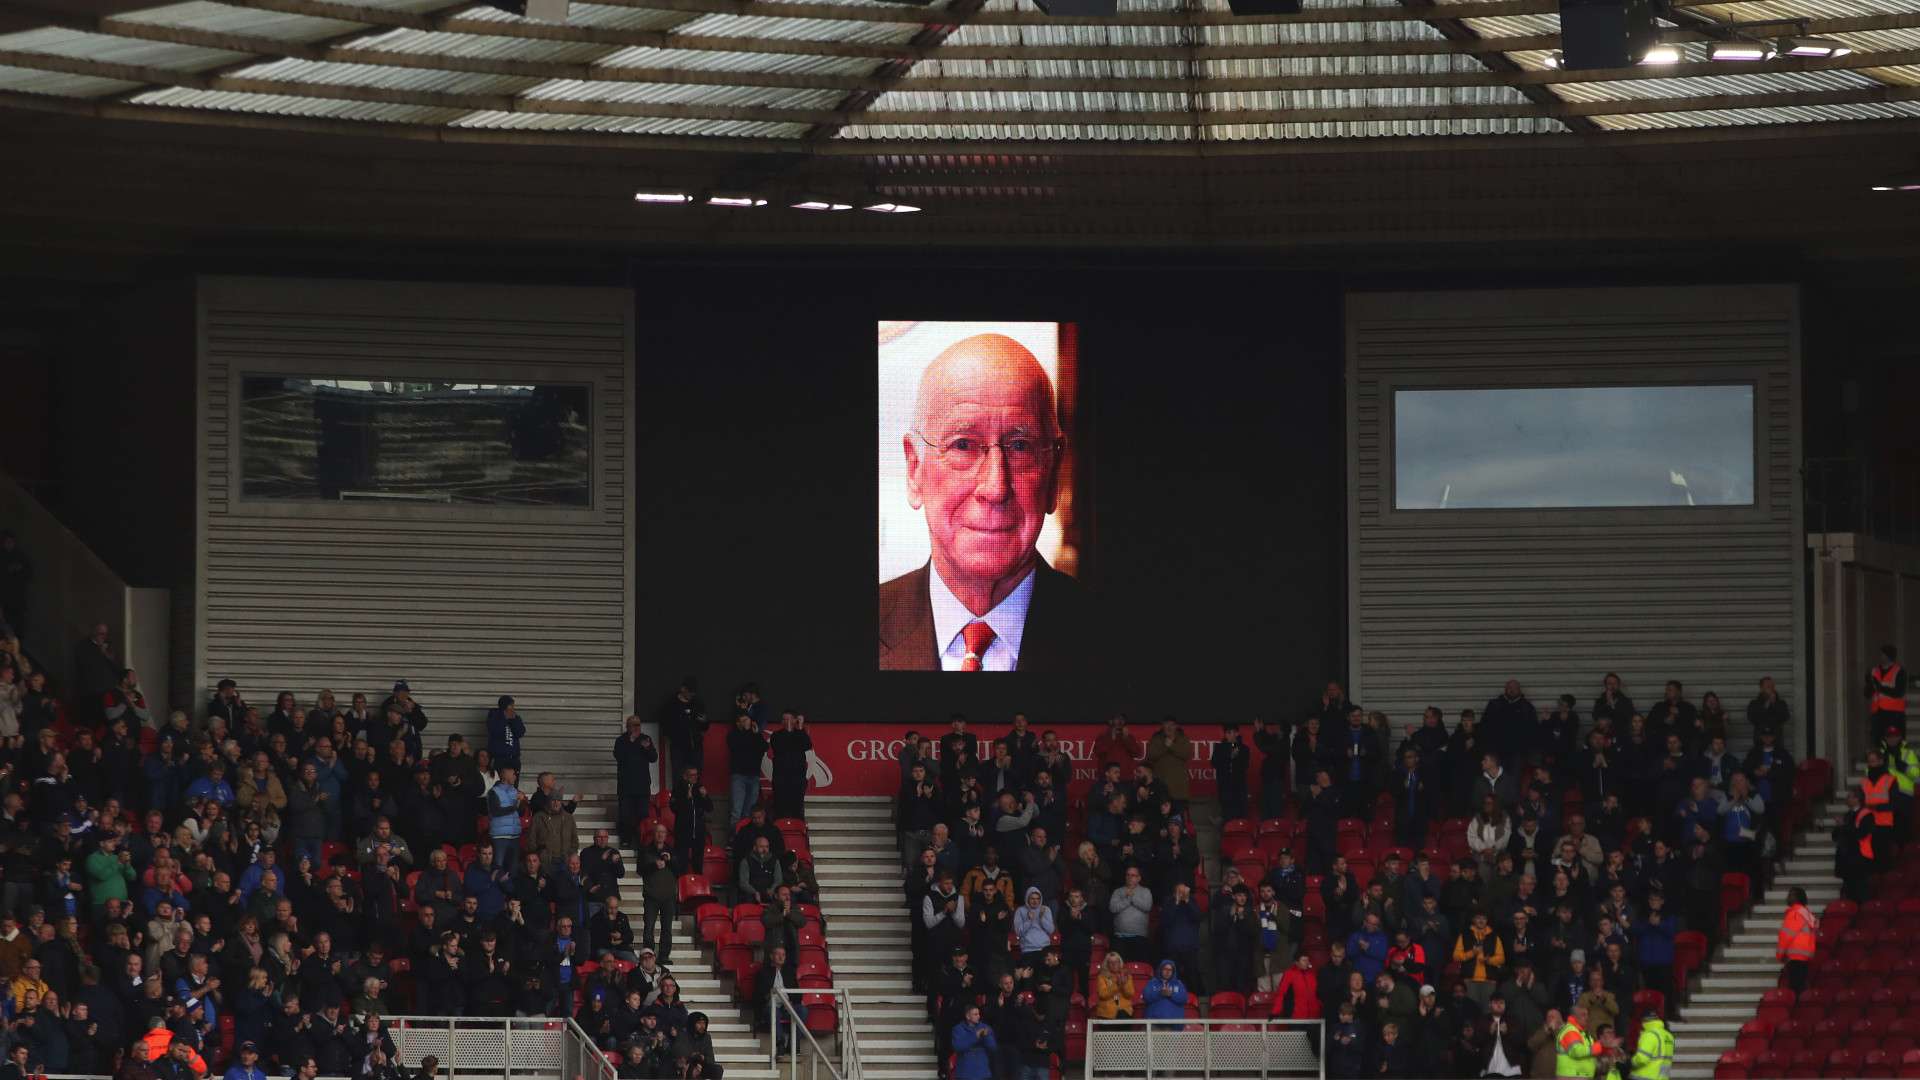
{"x": 859, "y": 76}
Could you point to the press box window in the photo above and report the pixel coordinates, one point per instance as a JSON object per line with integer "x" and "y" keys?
{"x": 1572, "y": 447}
{"x": 341, "y": 440}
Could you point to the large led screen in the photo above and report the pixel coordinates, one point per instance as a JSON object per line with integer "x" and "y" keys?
{"x": 1573, "y": 446}
{"x": 978, "y": 540}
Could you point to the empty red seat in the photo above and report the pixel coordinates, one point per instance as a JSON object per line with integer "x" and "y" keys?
{"x": 1733, "y": 1065}
{"x": 1227, "y": 1005}
{"x": 1754, "y": 1037}
{"x": 1649, "y": 999}
{"x": 1772, "y": 1064}
{"x": 1843, "y": 1064}
{"x": 695, "y": 890}
{"x": 1807, "y": 1065}
{"x": 1259, "y": 1004}
{"x": 1877, "y": 1063}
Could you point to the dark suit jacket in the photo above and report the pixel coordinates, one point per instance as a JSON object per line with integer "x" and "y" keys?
{"x": 1060, "y": 635}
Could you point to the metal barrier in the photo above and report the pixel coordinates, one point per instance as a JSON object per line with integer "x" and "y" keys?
{"x": 1205, "y": 1048}
{"x": 535, "y": 1048}
{"x": 781, "y": 1009}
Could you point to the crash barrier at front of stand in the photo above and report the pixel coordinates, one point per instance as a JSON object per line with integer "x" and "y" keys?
{"x": 1205, "y": 1048}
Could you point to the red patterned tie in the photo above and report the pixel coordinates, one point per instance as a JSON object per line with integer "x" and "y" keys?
{"x": 978, "y": 636}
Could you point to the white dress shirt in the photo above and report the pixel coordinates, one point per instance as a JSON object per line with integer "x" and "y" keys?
{"x": 1008, "y": 619}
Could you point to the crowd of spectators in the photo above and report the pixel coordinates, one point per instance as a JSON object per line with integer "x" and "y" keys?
{"x": 1445, "y": 896}
{"x": 249, "y": 888}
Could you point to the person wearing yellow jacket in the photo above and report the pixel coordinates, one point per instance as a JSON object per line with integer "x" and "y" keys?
{"x": 1904, "y": 763}
{"x": 1573, "y": 1048}
{"x": 1799, "y": 930}
{"x": 1653, "y": 1057}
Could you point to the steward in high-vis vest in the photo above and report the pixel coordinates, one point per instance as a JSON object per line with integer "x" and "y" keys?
{"x": 1653, "y": 1057}
{"x": 1573, "y": 1048}
{"x": 1886, "y": 694}
{"x": 1853, "y": 855}
{"x": 1904, "y": 764}
{"x": 1799, "y": 930}
{"x": 1878, "y": 790}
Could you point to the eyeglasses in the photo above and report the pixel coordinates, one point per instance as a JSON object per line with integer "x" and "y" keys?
{"x": 964, "y": 453}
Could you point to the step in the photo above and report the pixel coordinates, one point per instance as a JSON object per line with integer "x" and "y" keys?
{"x": 1718, "y": 997}
{"x": 1707, "y": 1028}
{"x": 832, "y": 909}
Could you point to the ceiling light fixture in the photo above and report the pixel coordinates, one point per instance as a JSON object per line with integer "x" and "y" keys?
{"x": 1739, "y": 49}
{"x": 1813, "y": 48}
{"x": 1903, "y": 182}
{"x": 737, "y": 201}
{"x": 822, "y": 204}
{"x": 893, "y": 208}
{"x": 1663, "y": 53}
{"x": 1554, "y": 60}
{"x": 662, "y": 197}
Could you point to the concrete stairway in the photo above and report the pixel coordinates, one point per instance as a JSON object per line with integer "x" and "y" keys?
{"x": 1732, "y": 980}
{"x": 868, "y": 946}
{"x": 858, "y": 864}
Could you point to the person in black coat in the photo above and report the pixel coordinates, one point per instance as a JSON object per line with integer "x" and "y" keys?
{"x": 1230, "y": 760}
{"x": 1236, "y": 936}
{"x": 791, "y": 747}
{"x": 633, "y": 757}
{"x": 683, "y": 722}
{"x": 691, "y": 809}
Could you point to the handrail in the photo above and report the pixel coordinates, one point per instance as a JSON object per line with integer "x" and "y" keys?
{"x": 781, "y": 998}
{"x": 1201, "y": 1059}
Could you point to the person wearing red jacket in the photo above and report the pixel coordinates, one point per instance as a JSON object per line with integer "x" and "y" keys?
{"x": 1297, "y": 997}
{"x": 1117, "y": 746}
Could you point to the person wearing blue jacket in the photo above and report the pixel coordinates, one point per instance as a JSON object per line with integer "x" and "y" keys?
{"x": 247, "y": 1065}
{"x": 505, "y": 730}
{"x": 974, "y": 1048}
{"x": 1166, "y": 994}
{"x": 1367, "y": 947}
{"x": 1180, "y": 932}
{"x": 486, "y": 881}
{"x": 1655, "y": 943}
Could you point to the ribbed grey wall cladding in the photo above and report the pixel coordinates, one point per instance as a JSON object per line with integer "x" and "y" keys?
{"x": 1444, "y": 606}
{"x": 466, "y": 602}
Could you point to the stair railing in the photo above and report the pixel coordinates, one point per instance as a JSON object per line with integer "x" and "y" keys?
{"x": 781, "y": 1006}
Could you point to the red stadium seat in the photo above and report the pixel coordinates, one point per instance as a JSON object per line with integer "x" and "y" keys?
{"x": 1843, "y": 1064}
{"x": 1877, "y": 1063}
{"x": 1140, "y": 972}
{"x": 1362, "y": 869}
{"x": 1649, "y": 999}
{"x": 1831, "y": 1031}
{"x": 1259, "y": 1004}
{"x": 1814, "y": 995}
{"x": 1733, "y": 1065}
{"x": 747, "y": 913}
{"x": 1227, "y": 1005}
{"x": 1238, "y": 832}
{"x": 714, "y": 920}
{"x": 813, "y": 965}
{"x": 1807, "y": 1065}
{"x": 751, "y": 931}
{"x": 1796, "y": 1029}
{"x": 715, "y": 867}
{"x": 1754, "y": 1036}
{"x": 1773, "y": 1064}
{"x": 695, "y": 890}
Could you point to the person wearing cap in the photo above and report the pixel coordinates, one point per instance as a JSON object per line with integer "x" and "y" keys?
{"x": 413, "y": 718}
{"x": 1653, "y": 1055}
{"x": 505, "y": 732}
{"x": 246, "y": 1065}
{"x": 1904, "y": 763}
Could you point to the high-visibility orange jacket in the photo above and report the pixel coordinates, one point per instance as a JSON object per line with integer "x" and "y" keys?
{"x": 159, "y": 1041}
{"x": 1863, "y": 827}
{"x": 1797, "y": 932}
{"x": 1879, "y": 795}
{"x": 1886, "y": 680}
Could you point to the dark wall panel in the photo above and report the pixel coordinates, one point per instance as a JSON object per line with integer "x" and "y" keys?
{"x": 1212, "y": 413}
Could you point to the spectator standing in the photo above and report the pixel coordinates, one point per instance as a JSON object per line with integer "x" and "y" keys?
{"x": 1116, "y": 746}
{"x": 1166, "y": 995}
{"x": 1886, "y": 694}
{"x": 1853, "y": 849}
{"x": 1130, "y": 906}
{"x": 1799, "y": 931}
{"x": 1767, "y": 711}
{"x": 659, "y": 880}
{"x": 1230, "y": 760}
{"x": 634, "y": 757}
{"x": 975, "y": 1050}
{"x": 504, "y": 805}
{"x": 96, "y": 671}
{"x": 506, "y": 730}
{"x": 1509, "y": 721}
{"x": 1167, "y": 754}
{"x": 692, "y": 807}
{"x": 791, "y": 747}
{"x": 1613, "y": 705}
{"x": 746, "y": 752}
{"x": 683, "y": 723}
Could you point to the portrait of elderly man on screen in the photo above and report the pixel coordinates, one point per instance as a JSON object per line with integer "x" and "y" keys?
{"x": 983, "y": 465}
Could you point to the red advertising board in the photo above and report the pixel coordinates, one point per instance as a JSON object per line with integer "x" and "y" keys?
{"x": 864, "y": 759}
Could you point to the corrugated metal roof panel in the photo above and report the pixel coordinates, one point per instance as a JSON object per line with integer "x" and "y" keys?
{"x": 979, "y": 100}
{"x": 607, "y": 17}
{"x": 1808, "y": 114}
{"x": 28, "y": 81}
{"x": 1701, "y": 85}
{"x": 118, "y": 50}
{"x": 389, "y": 78}
{"x": 1049, "y": 132}
{"x": 1386, "y": 98}
{"x": 1899, "y": 76}
{"x": 478, "y": 46}
{"x": 1519, "y": 125}
{"x": 1051, "y": 69}
{"x": 280, "y": 105}
{"x": 1879, "y": 40}
{"x": 634, "y": 125}
{"x": 1758, "y": 10}
{"x": 760, "y": 26}
{"x": 230, "y": 19}
{"x": 679, "y": 93}
{"x": 728, "y": 61}
{"x": 1514, "y": 25}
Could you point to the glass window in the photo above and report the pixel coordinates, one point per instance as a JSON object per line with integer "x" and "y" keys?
{"x": 489, "y": 444}
{"x": 1577, "y": 446}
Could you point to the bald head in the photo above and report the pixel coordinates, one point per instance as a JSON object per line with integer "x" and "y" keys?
{"x": 981, "y": 377}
